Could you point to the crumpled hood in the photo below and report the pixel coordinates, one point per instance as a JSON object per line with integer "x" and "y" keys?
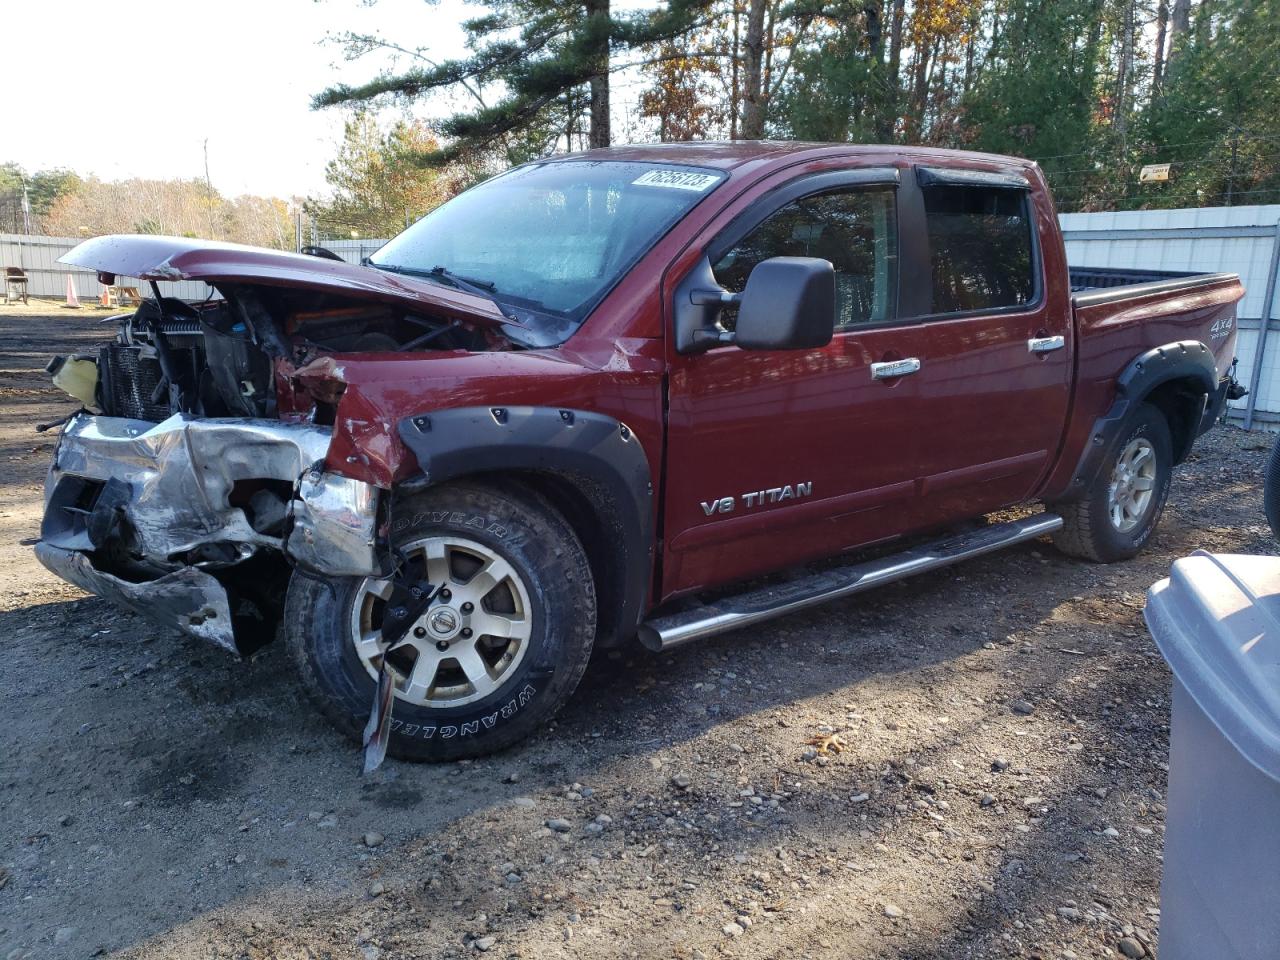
{"x": 179, "y": 258}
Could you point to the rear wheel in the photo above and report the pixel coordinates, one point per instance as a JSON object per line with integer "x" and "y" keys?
{"x": 492, "y": 658}
{"x": 1119, "y": 512}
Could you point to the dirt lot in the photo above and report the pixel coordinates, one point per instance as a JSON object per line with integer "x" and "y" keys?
{"x": 159, "y": 800}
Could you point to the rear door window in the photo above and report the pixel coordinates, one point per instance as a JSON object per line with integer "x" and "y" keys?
{"x": 980, "y": 249}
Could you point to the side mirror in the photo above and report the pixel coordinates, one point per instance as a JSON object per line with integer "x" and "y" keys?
{"x": 789, "y": 304}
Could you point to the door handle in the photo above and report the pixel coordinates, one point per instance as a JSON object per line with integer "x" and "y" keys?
{"x": 1046, "y": 344}
{"x": 891, "y": 369}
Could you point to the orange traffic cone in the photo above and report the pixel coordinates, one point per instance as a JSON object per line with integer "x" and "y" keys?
{"x": 72, "y": 299}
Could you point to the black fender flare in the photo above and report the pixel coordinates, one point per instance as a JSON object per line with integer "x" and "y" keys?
{"x": 1183, "y": 360}
{"x": 574, "y": 444}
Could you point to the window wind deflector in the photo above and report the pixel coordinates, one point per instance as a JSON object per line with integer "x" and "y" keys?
{"x": 857, "y": 176}
{"x": 954, "y": 177}
{"x": 806, "y": 186}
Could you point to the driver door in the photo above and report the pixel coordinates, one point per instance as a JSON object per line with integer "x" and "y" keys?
{"x": 778, "y": 457}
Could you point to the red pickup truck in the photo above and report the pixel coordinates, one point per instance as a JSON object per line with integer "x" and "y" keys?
{"x": 615, "y": 395}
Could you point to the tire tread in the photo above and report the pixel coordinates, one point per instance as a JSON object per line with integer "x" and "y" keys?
{"x": 1076, "y": 539}
{"x": 1271, "y": 489}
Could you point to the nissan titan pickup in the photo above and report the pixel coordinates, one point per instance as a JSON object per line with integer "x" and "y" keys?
{"x": 644, "y": 393}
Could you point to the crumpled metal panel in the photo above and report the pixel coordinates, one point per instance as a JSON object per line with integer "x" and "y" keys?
{"x": 188, "y": 599}
{"x": 334, "y": 524}
{"x": 180, "y": 474}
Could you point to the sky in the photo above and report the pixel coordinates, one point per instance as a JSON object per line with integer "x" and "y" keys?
{"x": 133, "y": 88}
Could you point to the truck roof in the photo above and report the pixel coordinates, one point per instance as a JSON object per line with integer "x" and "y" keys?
{"x": 731, "y": 154}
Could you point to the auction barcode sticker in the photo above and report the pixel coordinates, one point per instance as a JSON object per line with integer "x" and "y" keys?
{"x": 677, "y": 180}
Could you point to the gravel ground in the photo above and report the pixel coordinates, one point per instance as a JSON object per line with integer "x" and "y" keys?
{"x": 1005, "y": 731}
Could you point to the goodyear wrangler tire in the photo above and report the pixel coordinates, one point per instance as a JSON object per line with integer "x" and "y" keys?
{"x": 1120, "y": 511}
{"x": 495, "y": 656}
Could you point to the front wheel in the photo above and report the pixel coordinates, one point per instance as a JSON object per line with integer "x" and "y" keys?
{"x": 498, "y": 652}
{"x": 1119, "y": 512}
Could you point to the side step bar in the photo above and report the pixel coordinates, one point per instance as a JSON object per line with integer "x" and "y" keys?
{"x": 756, "y": 606}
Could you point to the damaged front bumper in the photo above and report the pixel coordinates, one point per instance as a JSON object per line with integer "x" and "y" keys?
{"x": 189, "y": 599}
{"x": 159, "y": 516}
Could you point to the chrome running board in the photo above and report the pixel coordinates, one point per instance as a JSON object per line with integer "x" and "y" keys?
{"x": 756, "y": 606}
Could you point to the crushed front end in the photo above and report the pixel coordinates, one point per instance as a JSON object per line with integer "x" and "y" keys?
{"x": 199, "y": 472}
{"x": 196, "y": 523}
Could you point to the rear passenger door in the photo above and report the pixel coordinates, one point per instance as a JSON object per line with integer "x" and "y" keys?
{"x": 996, "y": 353}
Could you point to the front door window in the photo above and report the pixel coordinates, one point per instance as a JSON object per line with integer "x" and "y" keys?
{"x": 856, "y": 230}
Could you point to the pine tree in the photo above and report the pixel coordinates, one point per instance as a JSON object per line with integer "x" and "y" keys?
{"x": 840, "y": 88}
{"x": 541, "y": 54}
{"x": 1038, "y": 94}
{"x": 1217, "y": 119}
{"x": 376, "y": 186}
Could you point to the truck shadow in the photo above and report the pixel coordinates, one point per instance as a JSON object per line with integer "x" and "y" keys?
{"x": 905, "y": 626}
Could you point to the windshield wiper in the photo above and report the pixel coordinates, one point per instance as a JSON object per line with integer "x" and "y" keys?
{"x": 482, "y": 288}
{"x": 485, "y": 288}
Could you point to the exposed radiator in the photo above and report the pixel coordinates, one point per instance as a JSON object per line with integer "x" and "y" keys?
{"x": 130, "y": 382}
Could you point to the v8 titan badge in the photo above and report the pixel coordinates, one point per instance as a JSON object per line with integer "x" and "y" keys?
{"x": 758, "y": 498}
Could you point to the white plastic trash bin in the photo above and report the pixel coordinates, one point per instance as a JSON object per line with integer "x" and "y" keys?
{"x": 1216, "y": 620}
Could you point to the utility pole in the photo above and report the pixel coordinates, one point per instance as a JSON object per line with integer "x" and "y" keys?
{"x": 26, "y": 224}
{"x": 26, "y": 209}
{"x": 209, "y": 186}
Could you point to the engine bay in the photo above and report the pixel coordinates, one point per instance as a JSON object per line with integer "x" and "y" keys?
{"x": 217, "y": 358}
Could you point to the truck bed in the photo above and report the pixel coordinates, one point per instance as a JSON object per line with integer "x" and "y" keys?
{"x": 1091, "y": 286}
{"x": 1096, "y": 278}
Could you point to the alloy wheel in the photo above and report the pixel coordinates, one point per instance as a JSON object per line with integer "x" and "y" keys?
{"x": 467, "y": 643}
{"x": 1133, "y": 481}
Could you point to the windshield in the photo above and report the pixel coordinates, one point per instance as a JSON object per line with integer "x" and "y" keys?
{"x": 548, "y": 241}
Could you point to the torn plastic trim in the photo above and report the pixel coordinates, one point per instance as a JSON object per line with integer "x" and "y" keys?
{"x": 188, "y": 599}
{"x": 171, "y": 488}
